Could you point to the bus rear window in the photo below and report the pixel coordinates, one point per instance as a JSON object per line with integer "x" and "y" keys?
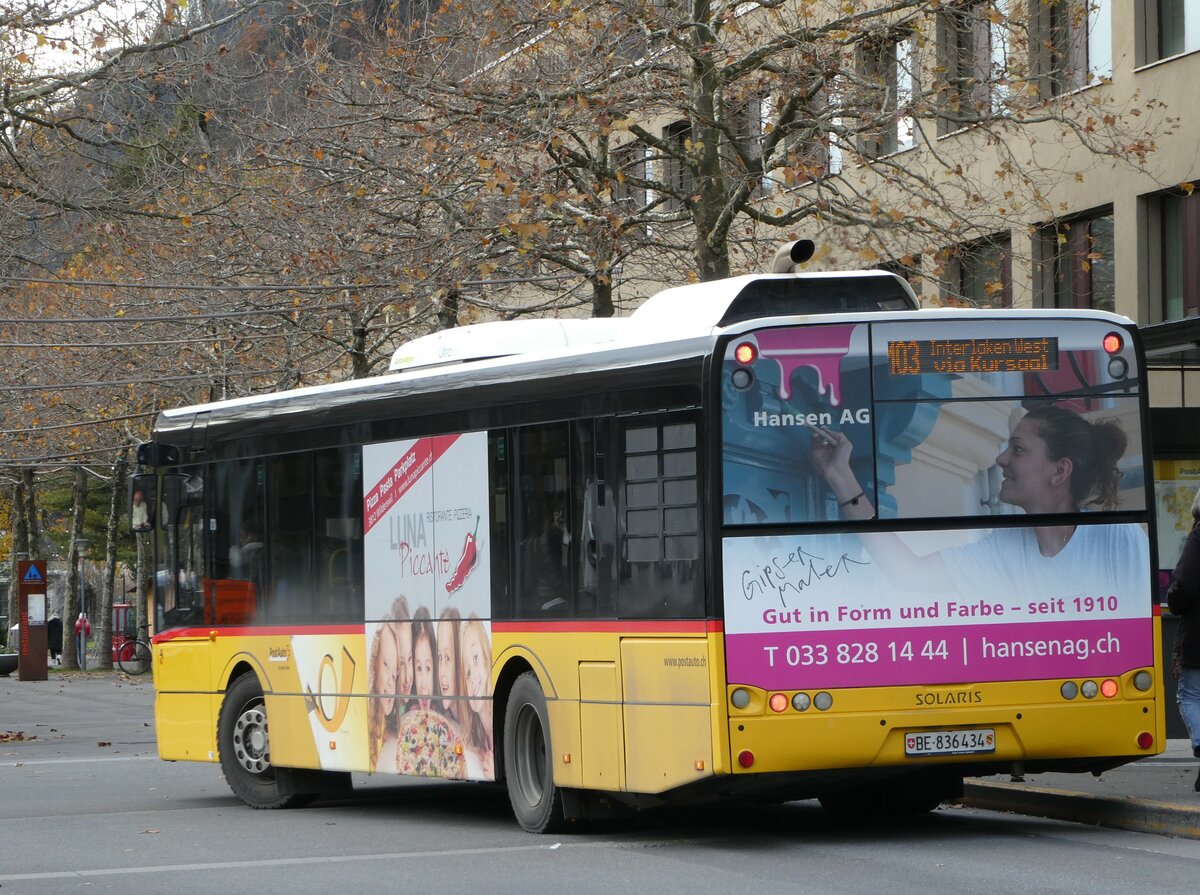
{"x": 938, "y": 419}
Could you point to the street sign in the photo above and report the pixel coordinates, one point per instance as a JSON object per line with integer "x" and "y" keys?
{"x": 31, "y": 595}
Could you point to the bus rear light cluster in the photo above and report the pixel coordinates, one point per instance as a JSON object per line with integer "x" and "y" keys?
{"x": 801, "y": 702}
{"x": 1118, "y": 367}
{"x": 1107, "y": 688}
{"x": 740, "y": 698}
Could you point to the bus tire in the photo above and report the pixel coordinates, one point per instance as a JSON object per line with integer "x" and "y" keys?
{"x": 529, "y": 771}
{"x": 245, "y": 748}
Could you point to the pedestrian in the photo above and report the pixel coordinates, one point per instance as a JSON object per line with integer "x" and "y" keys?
{"x": 54, "y": 632}
{"x": 1183, "y": 599}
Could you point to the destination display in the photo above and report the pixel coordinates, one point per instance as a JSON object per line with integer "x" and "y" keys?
{"x": 912, "y": 357}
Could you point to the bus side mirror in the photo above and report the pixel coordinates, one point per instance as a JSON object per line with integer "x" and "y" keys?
{"x": 143, "y": 494}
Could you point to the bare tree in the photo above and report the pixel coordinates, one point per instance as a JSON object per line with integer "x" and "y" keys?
{"x": 748, "y": 119}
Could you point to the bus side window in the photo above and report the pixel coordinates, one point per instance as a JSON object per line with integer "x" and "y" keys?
{"x": 660, "y": 520}
{"x": 501, "y": 532}
{"x": 233, "y": 595}
{"x": 290, "y": 545}
{"x": 542, "y": 530}
{"x": 338, "y": 533}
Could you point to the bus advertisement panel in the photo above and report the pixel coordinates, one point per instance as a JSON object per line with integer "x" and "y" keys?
{"x": 894, "y": 424}
{"x": 427, "y": 585}
{"x": 818, "y": 609}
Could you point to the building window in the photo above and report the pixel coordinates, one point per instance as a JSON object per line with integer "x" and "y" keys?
{"x": 1071, "y": 43}
{"x": 889, "y": 69}
{"x": 979, "y": 274}
{"x": 1169, "y": 27}
{"x": 807, "y": 124}
{"x": 973, "y": 46}
{"x": 676, "y": 172}
{"x": 1179, "y": 219}
{"x": 1074, "y": 260}
{"x": 745, "y": 126}
{"x": 630, "y": 165}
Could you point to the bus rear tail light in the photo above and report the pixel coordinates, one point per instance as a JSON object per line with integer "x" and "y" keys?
{"x": 1108, "y": 689}
{"x": 1143, "y": 681}
{"x": 746, "y": 758}
{"x": 823, "y": 701}
{"x": 1089, "y": 689}
{"x": 745, "y": 353}
{"x": 740, "y": 698}
{"x": 778, "y": 702}
{"x": 1145, "y": 740}
{"x": 1118, "y": 367}
{"x": 801, "y": 702}
{"x": 1069, "y": 690}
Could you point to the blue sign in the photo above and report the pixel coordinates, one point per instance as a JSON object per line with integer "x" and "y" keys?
{"x": 33, "y": 575}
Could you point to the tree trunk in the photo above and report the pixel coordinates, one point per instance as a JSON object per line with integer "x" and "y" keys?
{"x": 447, "y": 310}
{"x": 104, "y": 631}
{"x": 34, "y": 544}
{"x": 602, "y": 296}
{"x": 75, "y": 585}
{"x": 360, "y": 364}
{"x": 20, "y": 545}
{"x": 141, "y": 615}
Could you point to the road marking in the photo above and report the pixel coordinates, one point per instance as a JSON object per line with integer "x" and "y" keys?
{"x": 298, "y": 862}
{"x": 42, "y": 761}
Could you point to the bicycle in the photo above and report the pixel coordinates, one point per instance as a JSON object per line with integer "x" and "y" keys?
{"x": 133, "y": 656}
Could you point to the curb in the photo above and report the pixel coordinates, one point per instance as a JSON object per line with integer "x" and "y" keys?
{"x": 1125, "y": 813}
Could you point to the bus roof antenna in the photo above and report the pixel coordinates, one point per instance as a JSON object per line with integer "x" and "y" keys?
{"x": 791, "y": 255}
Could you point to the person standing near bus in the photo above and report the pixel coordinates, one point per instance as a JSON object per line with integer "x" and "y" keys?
{"x": 1183, "y": 599}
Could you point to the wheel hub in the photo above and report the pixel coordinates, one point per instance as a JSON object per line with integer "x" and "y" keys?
{"x": 251, "y": 745}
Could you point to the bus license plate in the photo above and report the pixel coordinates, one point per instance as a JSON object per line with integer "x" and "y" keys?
{"x": 950, "y": 742}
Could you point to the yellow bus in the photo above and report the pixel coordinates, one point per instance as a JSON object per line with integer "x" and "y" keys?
{"x": 779, "y": 536}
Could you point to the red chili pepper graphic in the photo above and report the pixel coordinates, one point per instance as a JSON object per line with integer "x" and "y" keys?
{"x": 466, "y": 562}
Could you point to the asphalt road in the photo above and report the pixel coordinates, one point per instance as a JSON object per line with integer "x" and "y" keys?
{"x": 86, "y": 806}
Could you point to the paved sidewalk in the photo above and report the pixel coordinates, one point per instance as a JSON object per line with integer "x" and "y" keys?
{"x": 1154, "y": 795}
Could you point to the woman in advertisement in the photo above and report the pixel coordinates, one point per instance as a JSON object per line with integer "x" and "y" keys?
{"x": 477, "y": 713}
{"x": 424, "y": 659}
{"x": 381, "y": 716}
{"x": 1055, "y": 462}
{"x": 404, "y": 653}
{"x": 448, "y": 664}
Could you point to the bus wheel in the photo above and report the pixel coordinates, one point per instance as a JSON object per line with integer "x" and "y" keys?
{"x": 245, "y": 748}
{"x": 528, "y": 767}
